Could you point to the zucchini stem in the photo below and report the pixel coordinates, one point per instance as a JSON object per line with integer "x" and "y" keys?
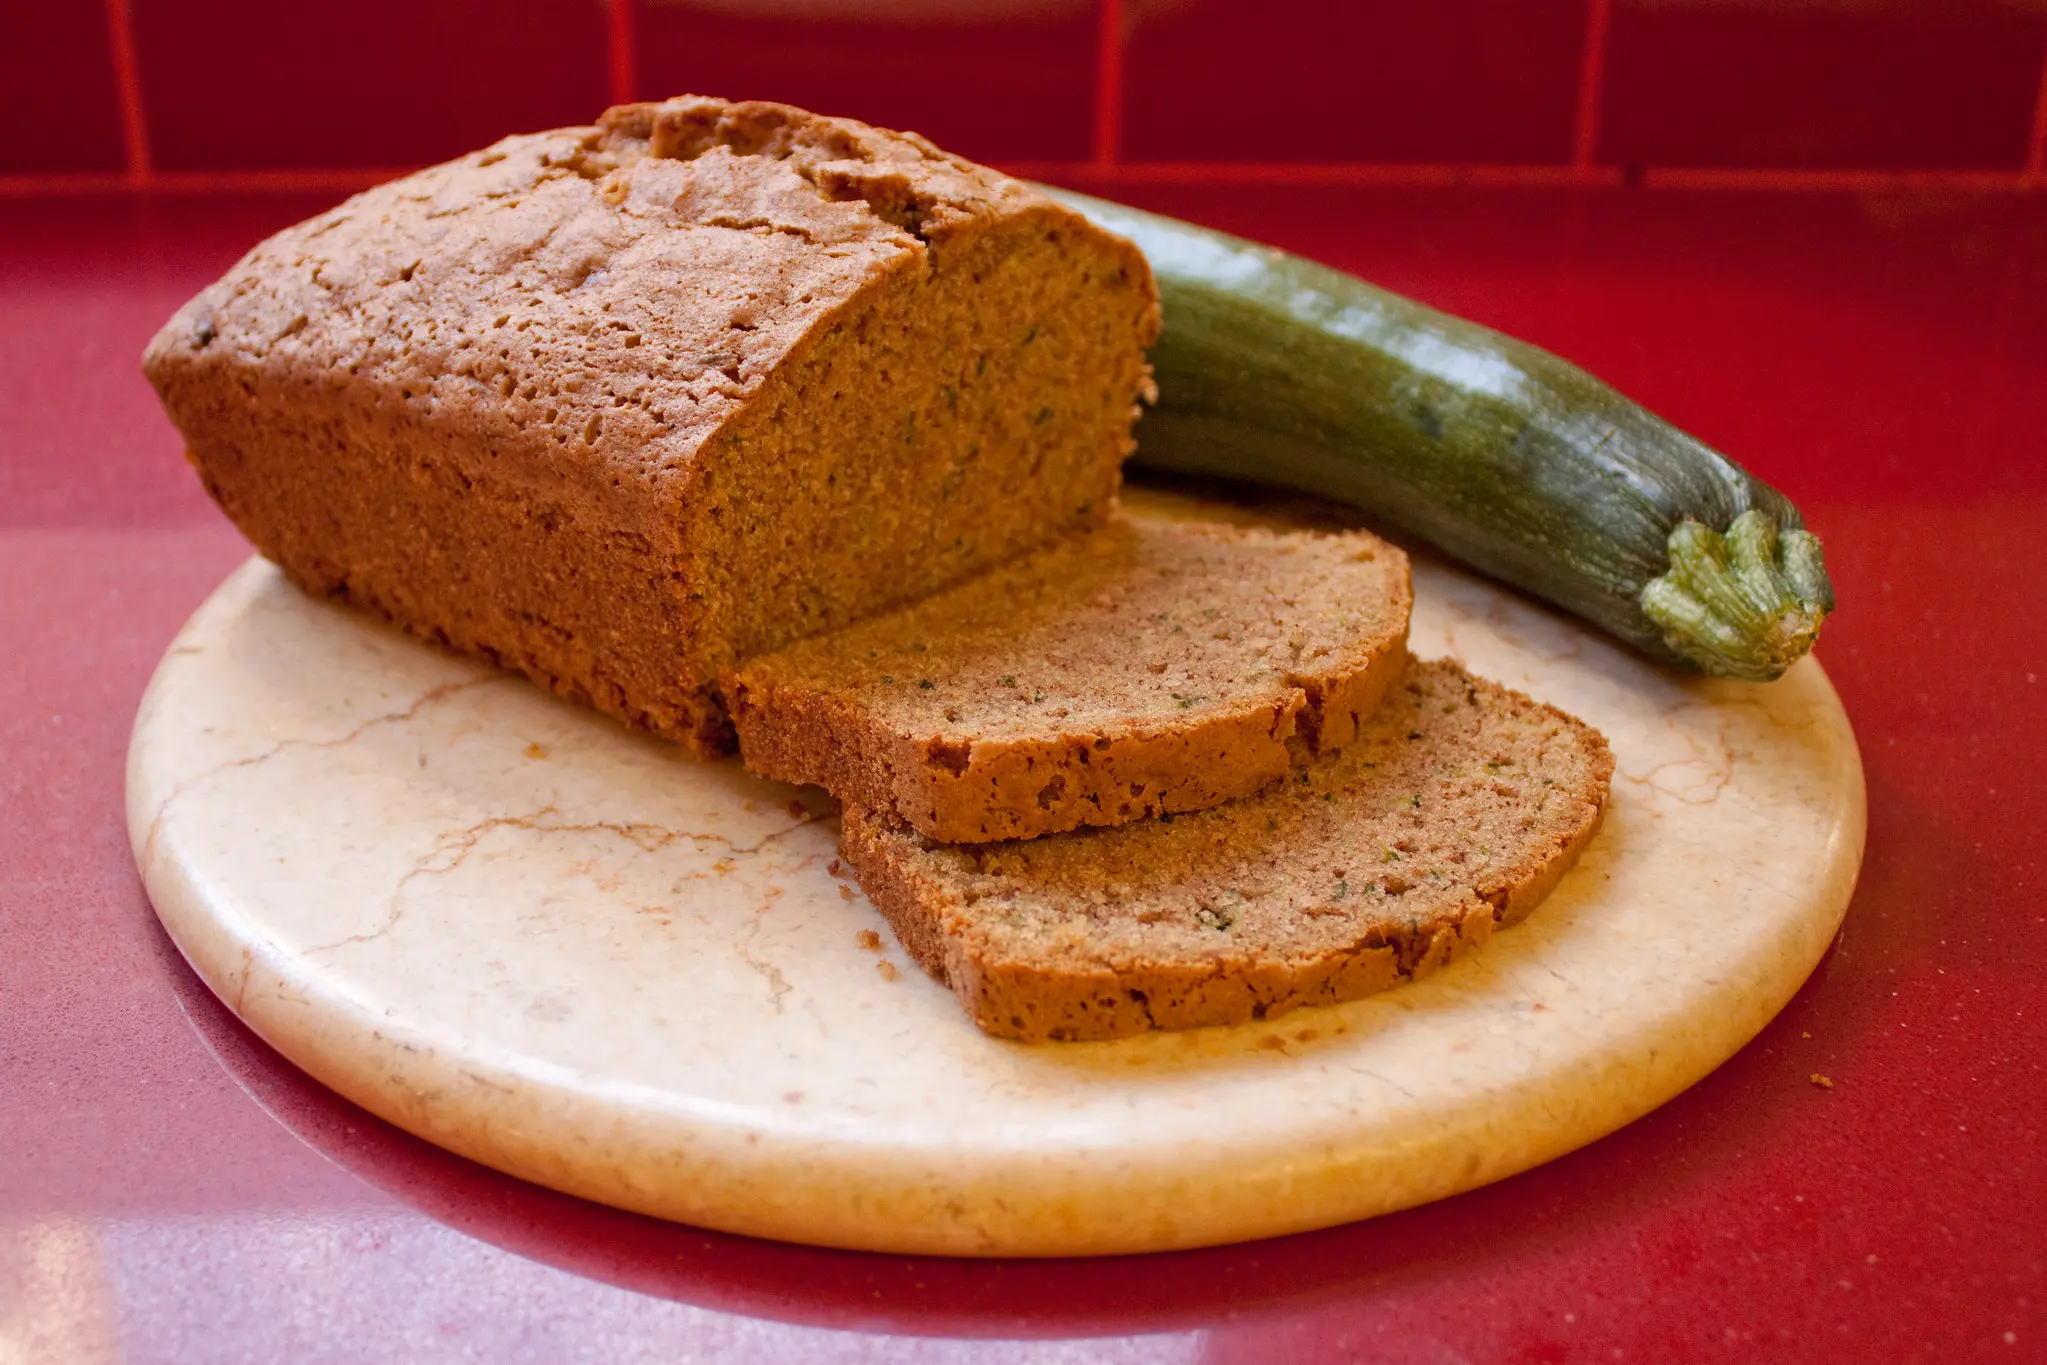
{"x": 1747, "y": 604}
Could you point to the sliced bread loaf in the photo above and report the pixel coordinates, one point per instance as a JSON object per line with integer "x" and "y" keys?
{"x": 616, "y": 406}
{"x": 1148, "y": 666}
{"x": 1454, "y": 811}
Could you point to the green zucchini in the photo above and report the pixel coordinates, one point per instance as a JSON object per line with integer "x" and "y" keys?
{"x": 1276, "y": 370}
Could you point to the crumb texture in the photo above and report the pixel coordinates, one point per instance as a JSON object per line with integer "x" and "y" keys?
{"x": 615, "y": 405}
{"x": 1453, "y": 812}
{"x": 1148, "y": 666}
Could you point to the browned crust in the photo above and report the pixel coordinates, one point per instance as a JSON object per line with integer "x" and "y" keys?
{"x": 691, "y": 716}
{"x": 1512, "y": 902}
{"x": 1074, "y": 1000}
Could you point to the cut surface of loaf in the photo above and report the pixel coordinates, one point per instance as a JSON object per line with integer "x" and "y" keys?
{"x": 1453, "y": 812}
{"x": 1146, "y": 666}
{"x": 618, "y": 405}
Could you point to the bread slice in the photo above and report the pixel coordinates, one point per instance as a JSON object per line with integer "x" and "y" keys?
{"x": 1453, "y": 812}
{"x": 616, "y": 406}
{"x": 1148, "y": 666}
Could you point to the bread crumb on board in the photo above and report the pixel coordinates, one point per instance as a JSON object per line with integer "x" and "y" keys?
{"x": 1821, "y": 1081}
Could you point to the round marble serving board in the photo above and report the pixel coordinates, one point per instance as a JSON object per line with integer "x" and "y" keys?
{"x": 524, "y": 933}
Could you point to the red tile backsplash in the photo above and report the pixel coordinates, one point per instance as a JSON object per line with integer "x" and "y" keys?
{"x": 1340, "y": 80}
{"x": 1740, "y": 92}
{"x": 1887, "y": 84}
{"x": 58, "y": 108}
{"x": 997, "y": 81}
{"x": 249, "y": 84}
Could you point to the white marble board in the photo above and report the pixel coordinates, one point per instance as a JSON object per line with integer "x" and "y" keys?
{"x": 519, "y": 931}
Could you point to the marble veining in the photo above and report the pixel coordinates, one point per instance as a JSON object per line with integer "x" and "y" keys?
{"x": 520, "y": 931}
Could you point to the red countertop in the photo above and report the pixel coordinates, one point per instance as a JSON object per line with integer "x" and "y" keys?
{"x": 170, "y": 1190}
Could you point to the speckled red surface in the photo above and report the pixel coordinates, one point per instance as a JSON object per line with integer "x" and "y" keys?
{"x": 172, "y": 1191}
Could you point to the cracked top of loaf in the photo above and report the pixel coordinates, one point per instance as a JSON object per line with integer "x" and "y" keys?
{"x": 655, "y": 267}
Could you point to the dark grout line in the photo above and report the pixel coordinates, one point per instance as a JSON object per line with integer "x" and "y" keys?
{"x": 1279, "y": 175}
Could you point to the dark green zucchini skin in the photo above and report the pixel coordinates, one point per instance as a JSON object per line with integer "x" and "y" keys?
{"x": 1277, "y": 370}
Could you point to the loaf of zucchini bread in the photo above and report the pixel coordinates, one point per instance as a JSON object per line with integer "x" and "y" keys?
{"x": 618, "y": 406}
